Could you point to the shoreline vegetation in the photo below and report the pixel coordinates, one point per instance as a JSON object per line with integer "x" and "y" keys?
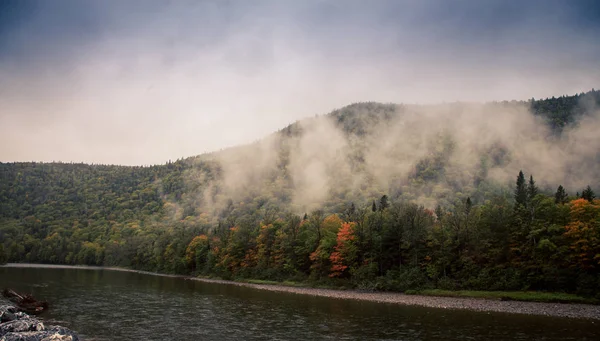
{"x": 518, "y": 302}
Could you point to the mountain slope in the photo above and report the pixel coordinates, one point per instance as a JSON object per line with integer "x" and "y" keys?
{"x": 384, "y": 195}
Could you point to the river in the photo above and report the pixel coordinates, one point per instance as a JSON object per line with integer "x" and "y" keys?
{"x": 102, "y": 304}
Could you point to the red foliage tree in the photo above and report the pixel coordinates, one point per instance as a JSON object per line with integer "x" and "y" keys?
{"x": 345, "y": 251}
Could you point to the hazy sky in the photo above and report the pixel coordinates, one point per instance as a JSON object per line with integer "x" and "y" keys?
{"x": 142, "y": 82}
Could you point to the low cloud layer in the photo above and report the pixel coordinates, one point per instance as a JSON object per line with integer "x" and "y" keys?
{"x": 427, "y": 154}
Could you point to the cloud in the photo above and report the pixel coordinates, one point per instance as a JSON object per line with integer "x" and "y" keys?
{"x": 429, "y": 154}
{"x": 145, "y": 82}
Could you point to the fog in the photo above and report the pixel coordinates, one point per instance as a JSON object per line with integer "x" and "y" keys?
{"x": 139, "y": 83}
{"x": 460, "y": 143}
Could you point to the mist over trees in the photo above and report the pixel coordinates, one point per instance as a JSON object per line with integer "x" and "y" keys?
{"x": 375, "y": 196}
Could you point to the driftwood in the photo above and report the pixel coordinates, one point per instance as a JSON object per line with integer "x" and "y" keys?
{"x": 25, "y": 302}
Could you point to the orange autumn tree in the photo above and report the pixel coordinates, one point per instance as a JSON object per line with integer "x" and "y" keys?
{"x": 583, "y": 231}
{"x": 344, "y": 255}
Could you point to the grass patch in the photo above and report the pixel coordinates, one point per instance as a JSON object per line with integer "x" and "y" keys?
{"x": 307, "y": 284}
{"x": 259, "y": 281}
{"x": 267, "y": 282}
{"x": 529, "y": 296}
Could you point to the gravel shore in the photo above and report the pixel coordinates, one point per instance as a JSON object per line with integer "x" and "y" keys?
{"x": 571, "y": 310}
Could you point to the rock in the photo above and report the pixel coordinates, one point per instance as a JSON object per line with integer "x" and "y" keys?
{"x": 7, "y": 316}
{"x": 10, "y": 313}
{"x": 52, "y": 334}
{"x": 22, "y": 325}
{"x": 16, "y": 325}
{"x": 7, "y": 313}
{"x": 21, "y": 315}
{"x": 8, "y": 308}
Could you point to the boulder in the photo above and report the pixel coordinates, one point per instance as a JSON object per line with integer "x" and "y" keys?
{"x": 8, "y": 308}
{"x": 56, "y": 333}
{"x": 61, "y": 334}
{"x": 21, "y": 315}
{"x": 7, "y": 313}
{"x": 16, "y": 325}
{"x": 22, "y": 325}
{"x": 7, "y": 316}
{"x": 10, "y": 313}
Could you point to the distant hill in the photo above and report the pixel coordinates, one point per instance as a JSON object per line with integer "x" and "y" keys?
{"x": 421, "y": 191}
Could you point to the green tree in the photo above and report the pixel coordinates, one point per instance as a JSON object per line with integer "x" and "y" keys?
{"x": 521, "y": 190}
{"x": 560, "y": 197}
{"x": 588, "y": 194}
{"x": 468, "y": 205}
{"x": 383, "y": 203}
{"x": 532, "y": 189}
{"x": 3, "y": 256}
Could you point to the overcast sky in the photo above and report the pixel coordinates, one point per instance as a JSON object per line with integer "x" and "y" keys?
{"x": 141, "y": 82}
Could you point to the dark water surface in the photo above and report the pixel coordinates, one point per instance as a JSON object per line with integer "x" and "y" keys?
{"x": 114, "y": 305}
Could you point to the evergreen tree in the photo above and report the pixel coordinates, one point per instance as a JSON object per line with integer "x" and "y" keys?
{"x": 374, "y": 207}
{"x": 439, "y": 212}
{"x": 521, "y": 190}
{"x": 383, "y": 203}
{"x": 532, "y": 189}
{"x": 3, "y": 257}
{"x": 588, "y": 194}
{"x": 561, "y": 195}
{"x": 468, "y": 205}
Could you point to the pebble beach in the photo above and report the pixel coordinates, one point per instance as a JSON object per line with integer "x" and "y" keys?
{"x": 570, "y": 310}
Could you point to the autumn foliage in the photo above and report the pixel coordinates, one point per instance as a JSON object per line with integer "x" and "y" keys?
{"x": 345, "y": 250}
{"x": 583, "y": 232}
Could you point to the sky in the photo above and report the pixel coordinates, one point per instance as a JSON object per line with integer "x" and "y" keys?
{"x": 143, "y": 82}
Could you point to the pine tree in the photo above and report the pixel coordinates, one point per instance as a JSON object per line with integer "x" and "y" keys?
{"x": 520, "y": 190}
{"x": 588, "y": 194}
{"x": 468, "y": 205}
{"x": 3, "y": 257}
{"x": 439, "y": 212}
{"x": 383, "y": 203}
{"x": 561, "y": 195}
{"x": 374, "y": 207}
{"x": 532, "y": 189}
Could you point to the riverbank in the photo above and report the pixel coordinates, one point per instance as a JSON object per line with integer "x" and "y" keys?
{"x": 570, "y": 310}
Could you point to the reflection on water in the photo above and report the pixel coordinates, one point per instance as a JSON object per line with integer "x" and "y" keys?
{"x": 114, "y": 305}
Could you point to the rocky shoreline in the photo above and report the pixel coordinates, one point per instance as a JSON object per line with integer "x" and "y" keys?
{"x": 16, "y": 325}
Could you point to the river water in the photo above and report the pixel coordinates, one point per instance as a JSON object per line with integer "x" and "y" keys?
{"x": 103, "y": 304}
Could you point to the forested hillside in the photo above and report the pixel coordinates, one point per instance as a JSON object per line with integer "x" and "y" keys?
{"x": 377, "y": 196}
